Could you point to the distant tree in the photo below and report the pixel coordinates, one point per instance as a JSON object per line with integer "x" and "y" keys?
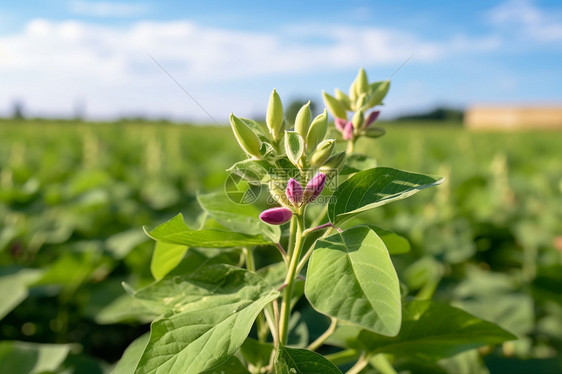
{"x": 17, "y": 111}
{"x": 438, "y": 114}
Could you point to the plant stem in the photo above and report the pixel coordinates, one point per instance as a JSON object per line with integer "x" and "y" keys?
{"x": 261, "y": 325}
{"x": 329, "y": 224}
{"x": 350, "y": 147}
{"x": 308, "y": 253}
{"x": 343, "y": 357}
{"x": 359, "y": 365}
{"x": 322, "y": 338}
{"x": 290, "y": 279}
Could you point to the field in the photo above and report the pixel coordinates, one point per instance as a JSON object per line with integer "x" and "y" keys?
{"x": 74, "y": 198}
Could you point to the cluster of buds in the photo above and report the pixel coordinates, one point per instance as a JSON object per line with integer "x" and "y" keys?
{"x": 297, "y": 197}
{"x": 362, "y": 97}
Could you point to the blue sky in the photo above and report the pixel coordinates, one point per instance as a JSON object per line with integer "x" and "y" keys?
{"x": 230, "y": 55}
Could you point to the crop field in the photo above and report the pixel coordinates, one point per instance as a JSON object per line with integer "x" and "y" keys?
{"x": 75, "y": 196}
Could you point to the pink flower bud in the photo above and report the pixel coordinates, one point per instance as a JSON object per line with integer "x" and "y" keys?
{"x": 314, "y": 187}
{"x": 276, "y": 216}
{"x": 348, "y": 131}
{"x": 372, "y": 118}
{"x": 340, "y": 123}
{"x": 294, "y": 191}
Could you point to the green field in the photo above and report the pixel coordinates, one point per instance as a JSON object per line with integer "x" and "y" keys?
{"x": 74, "y": 198}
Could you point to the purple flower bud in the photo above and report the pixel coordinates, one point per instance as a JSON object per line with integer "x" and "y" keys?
{"x": 348, "y": 131}
{"x": 314, "y": 187}
{"x": 340, "y": 123}
{"x": 372, "y": 118}
{"x": 276, "y": 216}
{"x": 294, "y": 191}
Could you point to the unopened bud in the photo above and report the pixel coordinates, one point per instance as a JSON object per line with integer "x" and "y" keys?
{"x": 358, "y": 119}
{"x": 340, "y": 123}
{"x": 333, "y": 104}
{"x": 362, "y": 82}
{"x": 247, "y": 139}
{"x": 334, "y": 163}
{"x": 274, "y": 116}
{"x": 276, "y": 216}
{"x": 378, "y": 91}
{"x": 322, "y": 153}
{"x": 317, "y": 131}
{"x": 294, "y": 192}
{"x": 314, "y": 187}
{"x": 371, "y": 118}
{"x": 343, "y": 99}
{"x": 302, "y": 120}
{"x": 348, "y": 131}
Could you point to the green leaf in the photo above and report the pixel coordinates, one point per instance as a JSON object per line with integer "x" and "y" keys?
{"x": 231, "y": 366}
{"x": 236, "y": 217}
{"x": 435, "y": 331}
{"x": 294, "y": 146}
{"x": 356, "y": 162}
{"x": 371, "y": 188}
{"x": 130, "y": 359}
{"x": 303, "y": 361}
{"x": 395, "y": 243}
{"x": 25, "y": 358}
{"x": 14, "y": 289}
{"x": 254, "y": 171}
{"x": 175, "y": 231}
{"x": 214, "y": 307}
{"x": 165, "y": 258}
{"x": 256, "y": 353}
{"x": 350, "y": 277}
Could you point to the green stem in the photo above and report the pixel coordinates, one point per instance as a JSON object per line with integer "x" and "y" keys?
{"x": 261, "y": 325}
{"x": 343, "y": 357}
{"x": 350, "y": 147}
{"x": 290, "y": 279}
{"x": 322, "y": 338}
{"x": 359, "y": 365}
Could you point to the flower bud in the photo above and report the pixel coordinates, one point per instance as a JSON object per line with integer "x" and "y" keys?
{"x": 362, "y": 82}
{"x": 371, "y": 118}
{"x": 274, "y": 116}
{"x": 317, "y": 131}
{"x": 247, "y": 139}
{"x": 294, "y": 192}
{"x": 276, "y": 216}
{"x": 343, "y": 99}
{"x": 322, "y": 153}
{"x": 340, "y": 123}
{"x": 334, "y": 163}
{"x": 358, "y": 119}
{"x": 333, "y": 104}
{"x": 302, "y": 120}
{"x": 314, "y": 187}
{"x": 378, "y": 91}
{"x": 348, "y": 131}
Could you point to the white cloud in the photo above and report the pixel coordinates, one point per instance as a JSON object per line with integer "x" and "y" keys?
{"x": 527, "y": 21}
{"x": 51, "y": 64}
{"x": 107, "y": 9}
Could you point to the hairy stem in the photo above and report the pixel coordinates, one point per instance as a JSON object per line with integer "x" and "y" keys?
{"x": 290, "y": 279}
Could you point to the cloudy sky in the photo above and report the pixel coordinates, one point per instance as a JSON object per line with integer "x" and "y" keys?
{"x": 229, "y": 55}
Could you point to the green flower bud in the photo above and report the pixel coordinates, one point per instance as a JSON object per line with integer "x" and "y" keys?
{"x": 377, "y": 92}
{"x": 358, "y": 119}
{"x": 317, "y": 131}
{"x": 343, "y": 99}
{"x": 333, "y": 104}
{"x": 334, "y": 163}
{"x": 274, "y": 116}
{"x": 362, "y": 82}
{"x": 353, "y": 92}
{"x": 302, "y": 120}
{"x": 294, "y": 147}
{"x": 247, "y": 139}
{"x": 322, "y": 153}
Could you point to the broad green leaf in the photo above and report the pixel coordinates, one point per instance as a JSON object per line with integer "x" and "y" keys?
{"x": 395, "y": 243}
{"x": 371, "y": 188}
{"x": 294, "y": 146}
{"x": 237, "y": 217}
{"x": 214, "y": 307}
{"x": 165, "y": 258}
{"x": 25, "y": 358}
{"x": 175, "y": 231}
{"x": 355, "y": 163}
{"x": 256, "y": 353}
{"x": 350, "y": 277}
{"x": 231, "y": 366}
{"x": 126, "y": 309}
{"x": 130, "y": 359}
{"x": 302, "y": 361}
{"x": 14, "y": 289}
{"x": 435, "y": 331}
